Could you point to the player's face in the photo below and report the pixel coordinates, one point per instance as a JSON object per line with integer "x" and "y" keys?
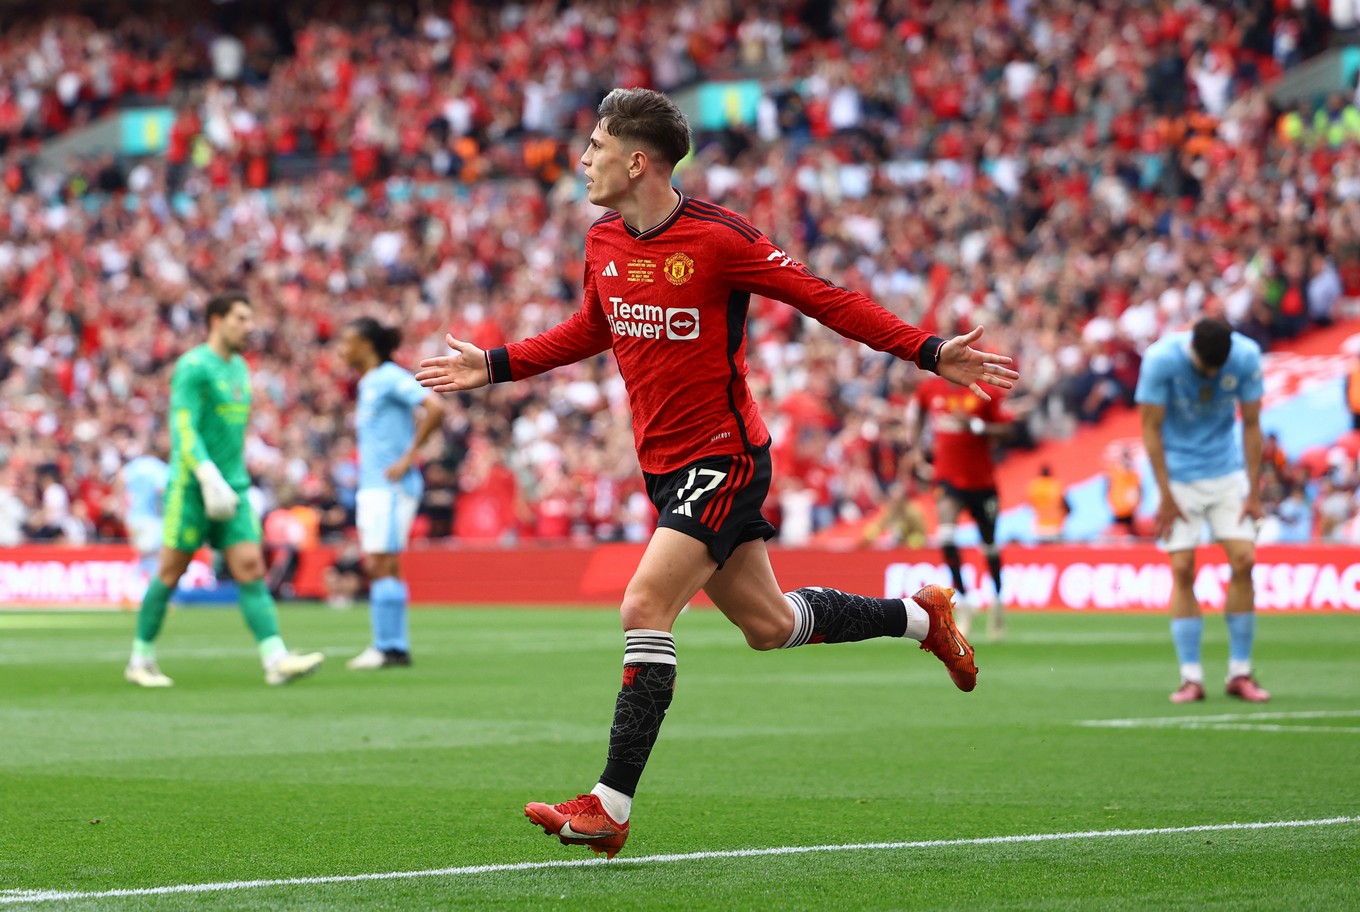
{"x": 355, "y": 349}
{"x": 606, "y": 166}
{"x": 234, "y": 328}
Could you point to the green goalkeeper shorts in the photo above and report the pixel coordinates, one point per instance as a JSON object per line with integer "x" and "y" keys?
{"x": 188, "y": 528}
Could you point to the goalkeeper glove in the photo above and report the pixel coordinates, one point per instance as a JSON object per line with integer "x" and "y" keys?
{"x": 219, "y": 498}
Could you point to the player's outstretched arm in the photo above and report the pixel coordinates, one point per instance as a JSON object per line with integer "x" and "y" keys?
{"x": 465, "y": 369}
{"x": 960, "y": 363}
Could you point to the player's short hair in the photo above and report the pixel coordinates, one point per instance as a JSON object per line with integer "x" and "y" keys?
{"x": 648, "y": 118}
{"x": 384, "y": 339}
{"x": 1211, "y": 340}
{"x": 221, "y": 304}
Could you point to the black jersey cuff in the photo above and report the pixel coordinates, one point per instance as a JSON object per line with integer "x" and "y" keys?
{"x": 498, "y": 365}
{"x": 928, "y": 357}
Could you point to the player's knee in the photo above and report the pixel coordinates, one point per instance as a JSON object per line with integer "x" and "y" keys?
{"x": 768, "y": 634}
{"x": 761, "y": 642}
{"x": 169, "y": 578}
{"x": 248, "y": 570}
{"x": 1183, "y": 573}
{"x": 766, "y": 626}
{"x": 1242, "y": 564}
{"x": 640, "y": 611}
{"x": 378, "y": 566}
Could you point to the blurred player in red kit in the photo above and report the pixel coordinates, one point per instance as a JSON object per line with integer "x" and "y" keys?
{"x": 964, "y": 425}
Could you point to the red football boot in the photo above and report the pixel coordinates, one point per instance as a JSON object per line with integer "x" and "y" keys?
{"x": 944, "y": 638}
{"x": 1188, "y": 692}
{"x": 580, "y": 821}
{"x": 1244, "y": 687}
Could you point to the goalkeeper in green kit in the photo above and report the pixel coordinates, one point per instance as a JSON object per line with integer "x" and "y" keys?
{"x": 205, "y": 502}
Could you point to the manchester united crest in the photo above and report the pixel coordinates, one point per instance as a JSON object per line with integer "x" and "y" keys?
{"x": 678, "y": 269}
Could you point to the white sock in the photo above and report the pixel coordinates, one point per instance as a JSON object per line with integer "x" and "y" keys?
{"x": 271, "y": 650}
{"x": 1238, "y": 668}
{"x": 616, "y": 804}
{"x": 1192, "y": 671}
{"x": 918, "y": 622}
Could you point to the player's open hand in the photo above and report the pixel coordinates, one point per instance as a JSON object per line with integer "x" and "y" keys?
{"x": 1252, "y": 508}
{"x": 960, "y": 363}
{"x": 1167, "y": 514}
{"x": 465, "y": 369}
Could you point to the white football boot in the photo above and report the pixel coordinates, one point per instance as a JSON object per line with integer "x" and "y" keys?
{"x": 146, "y": 674}
{"x": 367, "y": 660}
{"x": 291, "y": 665}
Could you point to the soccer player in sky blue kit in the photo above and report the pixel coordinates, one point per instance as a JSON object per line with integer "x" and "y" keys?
{"x": 390, "y": 435}
{"x": 1190, "y": 388}
{"x": 143, "y": 480}
{"x": 667, "y": 283}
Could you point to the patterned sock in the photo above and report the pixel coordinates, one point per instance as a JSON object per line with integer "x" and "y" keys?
{"x": 258, "y": 607}
{"x": 1186, "y": 634}
{"x": 831, "y": 616}
{"x": 1241, "y": 635}
{"x": 648, "y": 685}
{"x": 151, "y": 614}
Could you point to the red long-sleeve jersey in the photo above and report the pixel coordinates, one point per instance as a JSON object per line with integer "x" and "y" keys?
{"x": 671, "y": 302}
{"x": 962, "y": 458}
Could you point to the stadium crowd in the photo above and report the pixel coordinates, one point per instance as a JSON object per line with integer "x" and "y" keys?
{"x": 1079, "y": 177}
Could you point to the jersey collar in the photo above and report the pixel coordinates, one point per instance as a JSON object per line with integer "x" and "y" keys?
{"x": 662, "y": 226}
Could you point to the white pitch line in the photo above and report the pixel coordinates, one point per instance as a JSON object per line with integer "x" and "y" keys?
{"x": 12, "y": 897}
{"x": 1245, "y": 719}
{"x": 1238, "y": 726}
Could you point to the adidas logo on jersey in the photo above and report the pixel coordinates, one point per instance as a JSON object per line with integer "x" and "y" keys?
{"x": 683, "y": 510}
{"x": 610, "y": 270}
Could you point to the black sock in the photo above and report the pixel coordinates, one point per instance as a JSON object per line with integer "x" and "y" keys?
{"x": 648, "y": 685}
{"x": 955, "y": 562}
{"x": 994, "y": 567}
{"x": 831, "y": 616}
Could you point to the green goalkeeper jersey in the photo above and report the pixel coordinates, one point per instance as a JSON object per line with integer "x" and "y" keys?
{"x": 209, "y": 410}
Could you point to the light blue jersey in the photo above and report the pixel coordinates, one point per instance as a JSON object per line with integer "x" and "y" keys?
{"x": 1199, "y": 431}
{"x": 144, "y": 480}
{"x": 385, "y": 424}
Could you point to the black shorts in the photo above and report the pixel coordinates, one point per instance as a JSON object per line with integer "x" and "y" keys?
{"x": 715, "y": 500}
{"x": 981, "y": 503}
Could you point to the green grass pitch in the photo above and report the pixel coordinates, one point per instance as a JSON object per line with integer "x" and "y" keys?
{"x": 221, "y": 780}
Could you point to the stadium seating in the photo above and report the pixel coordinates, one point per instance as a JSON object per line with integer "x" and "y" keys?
{"x": 1078, "y": 183}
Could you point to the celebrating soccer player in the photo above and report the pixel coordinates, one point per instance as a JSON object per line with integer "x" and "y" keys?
{"x": 390, "y": 485}
{"x": 1190, "y": 387}
{"x": 205, "y": 500}
{"x": 668, "y": 280}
